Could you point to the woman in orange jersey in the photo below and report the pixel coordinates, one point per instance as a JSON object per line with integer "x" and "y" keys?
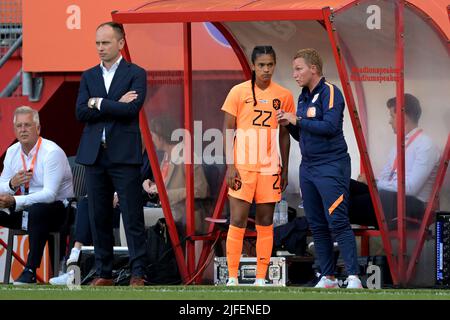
{"x": 254, "y": 171}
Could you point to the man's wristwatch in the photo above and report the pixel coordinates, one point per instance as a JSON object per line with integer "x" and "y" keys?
{"x": 11, "y": 186}
{"x": 297, "y": 122}
{"x": 93, "y": 103}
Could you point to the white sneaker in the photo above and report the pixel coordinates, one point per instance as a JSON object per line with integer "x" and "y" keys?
{"x": 353, "y": 282}
{"x": 260, "y": 282}
{"x": 74, "y": 255}
{"x": 327, "y": 283}
{"x": 63, "y": 279}
{"x": 232, "y": 282}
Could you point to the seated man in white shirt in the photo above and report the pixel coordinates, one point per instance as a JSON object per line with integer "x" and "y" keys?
{"x": 421, "y": 162}
{"x": 39, "y": 171}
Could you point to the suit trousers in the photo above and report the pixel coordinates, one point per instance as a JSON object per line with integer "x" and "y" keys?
{"x": 103, "y": 178}
{"x": 43, "y": 218}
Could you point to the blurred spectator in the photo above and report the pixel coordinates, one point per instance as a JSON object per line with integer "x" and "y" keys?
{"x": 421, "y": 162}
{"x": 173, "y": 173}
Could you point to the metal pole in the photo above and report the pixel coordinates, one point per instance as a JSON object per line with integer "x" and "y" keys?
{"x": 189, "y": 147}
{"x": 16, "y": 45}
{"x": 400, "y": 124}
{"x": 165, "y": 204}
{"x": 434, "y": 197}
{"x": 19, "y": 259}
{"x": 12, "y": 86}
{"x": 332, "y": 35}
{"x": 27, "y": 84}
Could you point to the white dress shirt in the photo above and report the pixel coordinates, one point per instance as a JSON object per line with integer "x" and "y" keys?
{"x": 421, "y": 162}
{"x": 52, "y": 177}
{"x": 108, "y": 76}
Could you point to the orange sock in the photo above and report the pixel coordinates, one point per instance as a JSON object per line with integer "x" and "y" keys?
{"x": 235, "y": 239}
{"x": 264, "y": 244}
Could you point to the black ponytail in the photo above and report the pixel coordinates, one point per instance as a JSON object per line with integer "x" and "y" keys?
{"x": 253, "y": 87}
{"x": 257, "y": 51}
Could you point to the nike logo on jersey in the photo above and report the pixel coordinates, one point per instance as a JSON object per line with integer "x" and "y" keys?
{"x": 316, "y": 96}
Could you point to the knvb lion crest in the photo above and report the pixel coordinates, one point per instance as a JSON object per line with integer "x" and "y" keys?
{"x": 276, "y": 103}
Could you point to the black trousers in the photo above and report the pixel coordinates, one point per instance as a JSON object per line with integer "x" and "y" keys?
{"x": 43, "y": 218}
{"x": 361, "y": 209}
{"x": 83, "y": 232}
{"x": 103, "y": 178}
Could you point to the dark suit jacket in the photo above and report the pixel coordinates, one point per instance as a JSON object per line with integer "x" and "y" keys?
{"x": 120, "y": 120}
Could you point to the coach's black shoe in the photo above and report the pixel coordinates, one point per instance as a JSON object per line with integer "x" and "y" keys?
{"x": 28, "y": 276}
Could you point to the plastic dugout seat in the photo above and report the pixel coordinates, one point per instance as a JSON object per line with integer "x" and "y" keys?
{"x": 79, "y": 190}
{"x": 365, "y": 232}
{"x": 79, "y": 179}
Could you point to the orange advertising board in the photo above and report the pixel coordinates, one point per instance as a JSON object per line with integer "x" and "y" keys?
{"x": 21, "y": 247}
{"x": 59, "y": 35}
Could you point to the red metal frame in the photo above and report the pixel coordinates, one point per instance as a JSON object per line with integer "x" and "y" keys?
{"x": 189, "y": 143}
{"x": 332, "y": 35}
{"x": 226, "y": 15}
{"x": 400, "y": 124}
{"x": 430, "y": 208}
{"x": 149, "y": 146}
{"x": 360, "y": 96}
{"x": 359, "y": 90}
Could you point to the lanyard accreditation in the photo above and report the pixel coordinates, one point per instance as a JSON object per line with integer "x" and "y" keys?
{"x": 33, "y": 162}
{"x": 410, "y": 140}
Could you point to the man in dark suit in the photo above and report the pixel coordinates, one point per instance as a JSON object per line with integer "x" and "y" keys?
{"x": 109, "y": 100}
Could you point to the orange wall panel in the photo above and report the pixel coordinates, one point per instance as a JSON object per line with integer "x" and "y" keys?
{"x": 59, "y": 35}
{"x": 50, "y": 43}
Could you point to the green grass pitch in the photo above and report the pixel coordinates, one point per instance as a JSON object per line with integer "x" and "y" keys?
{"x": 46, "y": 292}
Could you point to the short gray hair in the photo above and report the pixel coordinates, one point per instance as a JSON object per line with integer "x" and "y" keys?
{"x": 27, "y": 110}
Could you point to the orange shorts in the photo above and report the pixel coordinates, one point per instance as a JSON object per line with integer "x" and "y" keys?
{"x": 263, "y": 188}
